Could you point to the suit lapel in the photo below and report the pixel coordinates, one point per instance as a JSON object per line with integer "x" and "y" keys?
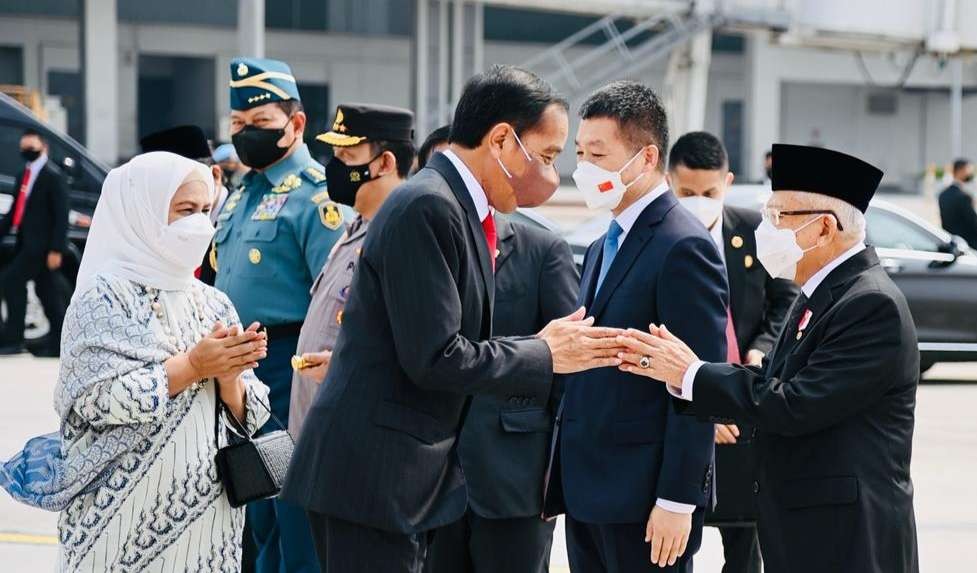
{"x": 506, "y": 241}
{"x": 634, "y": 243}
{"x": 589, "y": 276}
{"x": 443, "y": 165}
{"x": 819, "y": 304}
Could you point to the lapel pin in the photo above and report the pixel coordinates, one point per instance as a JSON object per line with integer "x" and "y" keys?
{"x": 737, "y": 241}
{"x": 805, "y": 320}
{"x": 748, "y": 261}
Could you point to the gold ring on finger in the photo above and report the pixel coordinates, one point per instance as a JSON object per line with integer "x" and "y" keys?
{"x": 645, "y": 362}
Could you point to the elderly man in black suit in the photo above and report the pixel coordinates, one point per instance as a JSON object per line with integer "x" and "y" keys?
{"x": 376, "y": 465}
{"x": 34, "y": 235}
{"x": 505, "y": 441}
{"x": 699, "y": 175}
{"x": 835, "y": 400}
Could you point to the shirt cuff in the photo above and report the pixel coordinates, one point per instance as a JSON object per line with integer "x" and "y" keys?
{"x": 675, "y": 507}
{"x": 687, "y": 381}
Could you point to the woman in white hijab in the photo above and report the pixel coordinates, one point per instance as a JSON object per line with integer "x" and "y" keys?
{"x": 145, "y": 349}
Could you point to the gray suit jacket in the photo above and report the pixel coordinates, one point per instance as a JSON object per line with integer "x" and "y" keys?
{"x": 379, "y": 446}
{"x": 505, "y": 441}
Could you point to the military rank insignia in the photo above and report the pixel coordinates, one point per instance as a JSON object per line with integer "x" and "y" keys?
{"x": 290, "y": 183}
{"x": 269, "y": 207}
{"x": 330, "y": 215}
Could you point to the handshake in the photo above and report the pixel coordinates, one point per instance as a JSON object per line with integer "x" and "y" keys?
{"x": 577, "y": 345}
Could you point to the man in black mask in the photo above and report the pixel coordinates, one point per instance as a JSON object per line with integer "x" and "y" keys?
{"x": 273, "y": 236}
{"x": 957, "y": 204}
{"x": 34, "y": 235}
{"x": 373, "y": 153}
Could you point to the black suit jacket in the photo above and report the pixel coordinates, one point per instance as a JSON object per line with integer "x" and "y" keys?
{"x": 621, "y": 445}
{"x": 758, "y": 302}
{"x": 957, "y": 214}
{"x": 506, "y": 439}
{"x": 835, "y": 411}
{"x": 44, "y": 227}
{"x": 380, "y": 444}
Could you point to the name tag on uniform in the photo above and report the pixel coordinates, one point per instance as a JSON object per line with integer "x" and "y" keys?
{"x": 269, "y": 207}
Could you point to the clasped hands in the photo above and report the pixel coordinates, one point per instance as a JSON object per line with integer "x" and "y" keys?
{"x": 226, "y": 352}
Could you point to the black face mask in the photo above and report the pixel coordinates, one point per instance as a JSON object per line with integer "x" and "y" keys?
{"x": 258, "y": 148}
{"x": 30, "y": 155}
{"x": 968, "y": 178}
{"x": 345, "y": 180}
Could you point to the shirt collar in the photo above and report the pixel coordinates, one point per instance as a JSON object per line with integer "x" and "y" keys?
{"x": 716, "y": 232}
{"x": 812, "y": 284}
{"x": 474, "y": 187}
{"x": 38, "y": 163}
{"x": 629, "y": 216}
{"x": 294, "y": 163}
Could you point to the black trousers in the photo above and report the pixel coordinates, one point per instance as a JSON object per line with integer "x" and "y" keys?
{"x": 22, "y": 266}
{"x": 345, "y": 547}
{"x": 741, "y": 550}
{"x": 474, "y": 544}
{"x": 621, "y": 548}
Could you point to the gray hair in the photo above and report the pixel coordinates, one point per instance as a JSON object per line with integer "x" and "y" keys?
{"x": 849, "y": 218}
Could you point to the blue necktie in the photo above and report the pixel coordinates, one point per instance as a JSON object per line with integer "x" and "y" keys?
{"x": 610, "y": 251}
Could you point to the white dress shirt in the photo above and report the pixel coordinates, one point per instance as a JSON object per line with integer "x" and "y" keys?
{"x": 474, "y": 187}
{"x": 35, "y": 168}
{"x": 629, "y": 216}
{"x": 812, "y": 284}
{"x": 716, "y": 232}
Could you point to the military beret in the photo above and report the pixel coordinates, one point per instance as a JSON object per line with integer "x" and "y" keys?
{"x": 824, "y": 171}
{"x": 356, "y": 123}
{"x": 257, "y": 81}
{"x": 185, "y": 140}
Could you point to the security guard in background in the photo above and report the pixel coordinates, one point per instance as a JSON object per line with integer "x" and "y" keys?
{"x": 373, "y": 154}
{"x": 273, "y": 236}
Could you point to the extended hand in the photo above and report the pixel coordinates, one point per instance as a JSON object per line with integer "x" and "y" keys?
{"x": 668, "y": 533}
{"x": 577, "y": 345}
{"x": 656, "y": 354}
{"x": 316, "y": 365}
{"x": 54, "y": 260}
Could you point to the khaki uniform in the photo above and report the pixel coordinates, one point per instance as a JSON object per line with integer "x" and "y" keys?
{"x": 325, "y": 316}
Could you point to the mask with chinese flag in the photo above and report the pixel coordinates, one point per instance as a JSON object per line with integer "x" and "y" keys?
{"x": 601, "y": 188}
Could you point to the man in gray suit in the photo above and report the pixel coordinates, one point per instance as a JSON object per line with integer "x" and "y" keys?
{"x": 505, "y": 442}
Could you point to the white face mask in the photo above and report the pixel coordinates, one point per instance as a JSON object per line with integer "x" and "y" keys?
{"x": 602, "y": 189}
{"x": 184, "y": 242}
{"x": 778, "y": 251}
{"x": 705, "y": 209}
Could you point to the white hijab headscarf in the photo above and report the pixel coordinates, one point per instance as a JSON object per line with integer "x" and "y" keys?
{"x": 126, "y": 237}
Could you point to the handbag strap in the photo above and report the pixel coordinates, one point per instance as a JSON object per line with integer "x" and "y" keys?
{"x": 219, "y": 403}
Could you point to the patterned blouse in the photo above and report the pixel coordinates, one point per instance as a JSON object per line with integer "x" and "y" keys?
{"x": 157, "y": 505}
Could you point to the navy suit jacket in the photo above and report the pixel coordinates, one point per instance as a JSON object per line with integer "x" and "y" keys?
{"x": 620, "y": 444}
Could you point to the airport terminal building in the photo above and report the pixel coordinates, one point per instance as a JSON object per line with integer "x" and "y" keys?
{"x": 753, "y": 72}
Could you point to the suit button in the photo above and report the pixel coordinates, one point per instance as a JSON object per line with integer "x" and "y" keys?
{"x": 756, "y": 487}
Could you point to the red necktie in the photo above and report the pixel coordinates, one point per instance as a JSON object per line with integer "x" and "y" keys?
{"x": 21, "y": 199}
{"x": 732, "y": 347}
{"x": 488, "y": 225}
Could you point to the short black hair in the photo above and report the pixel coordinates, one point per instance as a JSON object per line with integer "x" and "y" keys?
{"x": 290, "y": 106}
{"x": 403, "y": 152}
{"x": 768, "y": 155}
{"x": 437, "y": 137}
{"x": 31, "y": 132}
{"x": 959, "y": 164}
{"x": 639, "y": 113}
{"x": 502, "y": 94}
{"x": 698, "y": 150}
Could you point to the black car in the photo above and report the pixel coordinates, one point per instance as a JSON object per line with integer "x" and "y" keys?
{"x": 84, "y": 175}
{"x": 936, "y": 271}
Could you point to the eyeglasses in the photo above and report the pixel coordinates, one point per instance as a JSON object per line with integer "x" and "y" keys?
{"x": 773, "y": 214}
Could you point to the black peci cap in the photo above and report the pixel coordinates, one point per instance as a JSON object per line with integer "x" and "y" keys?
{"x": 357, "y": 123}
{"x": 186, "y": 140}
{"x": 826, "y": 172}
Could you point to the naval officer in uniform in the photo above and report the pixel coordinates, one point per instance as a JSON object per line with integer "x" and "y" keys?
{"x": 373, "y": 151}
{"x": 273, "y": 236}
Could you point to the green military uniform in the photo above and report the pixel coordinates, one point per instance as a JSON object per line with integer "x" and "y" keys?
{"x": 273, "y": 235}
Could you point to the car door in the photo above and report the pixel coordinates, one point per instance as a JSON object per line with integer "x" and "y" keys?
{"x": 940, "y": 286}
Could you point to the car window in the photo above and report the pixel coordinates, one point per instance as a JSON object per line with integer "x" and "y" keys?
{"x": 888, "y": 230}
{"x": 11, "y": 164}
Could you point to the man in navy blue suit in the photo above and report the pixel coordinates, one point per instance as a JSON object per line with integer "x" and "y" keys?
{"x": 633, "y": 476}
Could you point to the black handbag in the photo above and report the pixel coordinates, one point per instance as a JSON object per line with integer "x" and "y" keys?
{"x": 251, "y": 468}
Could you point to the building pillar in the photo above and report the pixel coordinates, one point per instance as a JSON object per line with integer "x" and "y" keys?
{"x": 762, "y": 105}
{"x": 687, "y": 82}
{"x": 100, "y": 70}
{"x": 251, "y": 28}
{"x": 956, "y": 107}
